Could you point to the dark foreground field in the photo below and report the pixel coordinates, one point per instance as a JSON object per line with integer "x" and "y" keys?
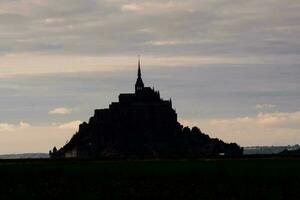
{"x": 248, "y": 178}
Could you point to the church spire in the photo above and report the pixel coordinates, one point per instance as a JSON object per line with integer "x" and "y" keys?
{"x": 139, "y": 85}
{"x": 139, "y": 67}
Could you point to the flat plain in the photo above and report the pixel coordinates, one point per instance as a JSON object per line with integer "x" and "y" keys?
{"x": 206, "y": 178}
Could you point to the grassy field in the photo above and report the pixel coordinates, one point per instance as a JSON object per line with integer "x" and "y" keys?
{"x": 247, "y": 178}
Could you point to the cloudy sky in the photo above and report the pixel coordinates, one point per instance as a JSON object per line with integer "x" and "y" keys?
{"x": 231, "y": 67}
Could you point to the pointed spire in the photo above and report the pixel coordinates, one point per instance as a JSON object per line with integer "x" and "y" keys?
{"x": 139, "y": 66}
{"x": 139, "y": 85}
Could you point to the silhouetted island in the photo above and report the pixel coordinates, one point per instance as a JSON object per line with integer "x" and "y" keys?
{"x": 140, "y": 125}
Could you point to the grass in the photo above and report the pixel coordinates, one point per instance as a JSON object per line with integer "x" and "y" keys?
{"x": 244, "y": 178}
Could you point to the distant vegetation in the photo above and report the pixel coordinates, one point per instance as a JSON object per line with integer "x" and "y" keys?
{"x": 25, "y": 156}
{"x": 268, "y": 149}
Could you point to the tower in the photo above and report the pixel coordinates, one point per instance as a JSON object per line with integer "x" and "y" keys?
{"x": 139, "y": 85}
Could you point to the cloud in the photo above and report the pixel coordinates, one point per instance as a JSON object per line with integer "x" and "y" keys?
{"x": 166, "y": 42}
{"x": 274, "y": 119}
{"x": 157, "y": 7}
{"x": 279, "y": 119}
{"x": 61, "y": 111}
{"x": 54, "y": 20}
{"x": 6, "y": 127}
{"x": 264, "y": 106}
{"x": 24, "y": 137}
{"x": 73, "y": 125}
{"x": 131, "y": 7}
{"x": 112, "y": 28}
{"x": 277, "y": 128}
{"x": 24, "y": 125}
{"x": 29, "y": 64}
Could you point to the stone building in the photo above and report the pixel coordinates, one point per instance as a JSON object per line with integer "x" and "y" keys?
{"x": 140, "y": 124}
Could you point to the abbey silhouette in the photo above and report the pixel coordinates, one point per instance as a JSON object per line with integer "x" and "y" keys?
{"x": 140, "y": 125}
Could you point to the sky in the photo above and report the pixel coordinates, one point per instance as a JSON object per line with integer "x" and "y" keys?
{"x": 232, "y": 68}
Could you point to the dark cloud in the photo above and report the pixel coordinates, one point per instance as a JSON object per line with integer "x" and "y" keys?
{"x": 115, "y": 27}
